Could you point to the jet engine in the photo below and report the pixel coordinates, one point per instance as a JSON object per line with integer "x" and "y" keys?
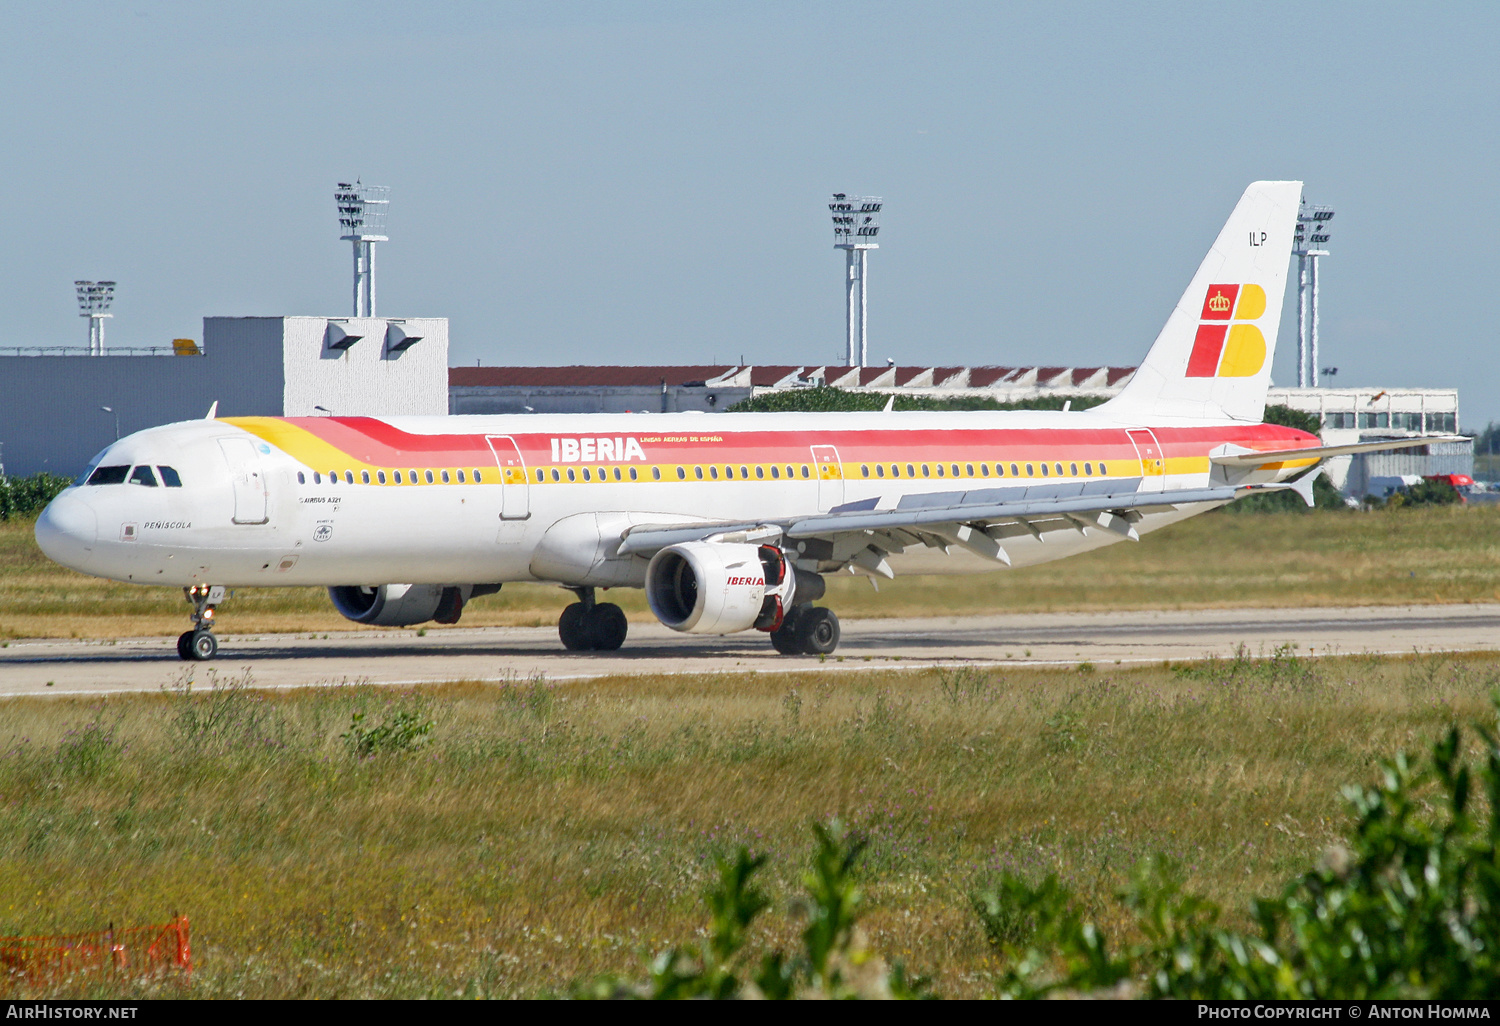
{"x": 706, "y": 587}
{"x": 402, "y": 605}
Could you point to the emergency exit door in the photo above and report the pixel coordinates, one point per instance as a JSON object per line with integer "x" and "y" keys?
{"x": 1153, "y": 463}
{"x": 830, "y": 472}
{"x": 515, "y": 501}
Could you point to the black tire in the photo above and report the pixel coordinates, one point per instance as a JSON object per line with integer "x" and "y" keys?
{"x": 184, "y": 645}
{"x": 818, "y": 631}
{"x": 203, "y": 645}
{"x": 607, "y": 627}
{"x": 784, "y": 638}
{"x": 572, "y": 628}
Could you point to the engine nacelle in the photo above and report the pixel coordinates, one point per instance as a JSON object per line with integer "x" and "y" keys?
{"x": 402, "y": 605}
{"x": 706, "y": 587}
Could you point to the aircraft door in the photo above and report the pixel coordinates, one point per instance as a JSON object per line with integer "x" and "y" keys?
{"x": 830, "y": 471}
{"x": 515, "y": 499}
{"x": 248, "y": 478}
{"x": 1153, "y": 463}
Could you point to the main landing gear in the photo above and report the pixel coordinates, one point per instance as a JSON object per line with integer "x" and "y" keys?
{"x": 200, "y": 643}
{"x": 587, "y": 626}
{"x": 807, "y": 630}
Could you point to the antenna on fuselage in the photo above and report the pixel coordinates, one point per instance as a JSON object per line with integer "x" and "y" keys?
{"x": 212, "y": 410}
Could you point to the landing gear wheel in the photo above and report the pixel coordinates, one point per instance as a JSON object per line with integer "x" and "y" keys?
{"x": 817, "y": 631}
{"x": 607, "y": 627}
{"x": 784, "y": 638}
{"x": 573, "y": 628}
{"x": 184, "y": 645}
{"x": 202, "y": 645}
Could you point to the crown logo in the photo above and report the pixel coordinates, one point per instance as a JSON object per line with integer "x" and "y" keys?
{"x": 1219, "y": 303}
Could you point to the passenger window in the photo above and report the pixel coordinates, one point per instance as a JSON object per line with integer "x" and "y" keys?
{"x": 445, "y": 478}
{"x": 804, "y": 470}
{"x": 318, "y": 478}
{"x": 745, "y": 473}
{"x": 969, "y": 467}
{"x": 939, "y": 468}
{"x": 1072, "y": 470}
{"x": 760, "y": 472}
{"x": 911, "y": 471}
{"x": 1088, "y": 470}
{"x": 1044, "y": 469}
{"x": 479, "y": 478}
{"x": 895, "y": 470}
{"x": 682, "y": 473}
{"x": 462, "y": 480}
{"x": 632, "y": 473}
{"x": 586, "y": 474}
{"x": 1029, "y": 471}
{"x": 617, "y": 474}
{"x": 879, "y": 470}
{"x": 1015, "y": 473}
{"x": 142, "y": 476}
{"x": 380, "y": 476}
{"x": 955, "y": 470}
{"x": 776, "y": 472}
{"x": 864, "y": 469}
{"x": 364, "y": 477}
{"x": 984, "y": 469}
{"x": 571, "y": 476}
{"x": 541, "y": 475}
{"x": 109, "y": 475}
{"x": 1103, "y": 469}
{"x": 1057, "y": 467}
{"x": 348, "y": 477}
{"x": 924, "y": 471}
{"x": 729, "y": 473}
{"x": 301, "y": 477}
{"x": 429, "y": 477}
{"x": 555, "y": 475}
{"x": 698, "y": 473}
{"x": 656, "y": 473}
{"x": 713, "y": 472}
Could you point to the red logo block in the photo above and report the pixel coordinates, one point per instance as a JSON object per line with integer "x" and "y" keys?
{"x": 1219, "y": 302}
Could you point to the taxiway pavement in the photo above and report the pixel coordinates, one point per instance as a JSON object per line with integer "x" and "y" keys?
{"x": 54, "y": 667}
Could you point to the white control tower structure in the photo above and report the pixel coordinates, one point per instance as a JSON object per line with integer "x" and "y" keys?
{"x": 94, "y": 299}
{"x": 1309, "y": 244}
{"x": 362, "y": 210}
{"x": 856, "y": 223}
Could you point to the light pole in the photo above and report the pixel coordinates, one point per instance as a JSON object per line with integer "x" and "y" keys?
{"x": 362, "y": 210}
{"x": 1307, "y": 243}
{"x": 111, "y": 409}
{"x": 94, "y": 299}
{"x": 856, "y": 223}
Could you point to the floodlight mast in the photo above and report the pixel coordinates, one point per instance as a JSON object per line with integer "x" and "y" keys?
{"x": 94, "y": 299}
{"x": 856, "y": 223}
{"x": 362, "y": 210}
{"x": 1308, "y": 243}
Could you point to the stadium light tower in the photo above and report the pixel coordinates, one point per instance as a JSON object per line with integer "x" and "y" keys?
{"x": 94, "y": 298}
{"x": 856, "y": 222}
{"x": 1308, "y": 244}
{"x": 362, "y": 210}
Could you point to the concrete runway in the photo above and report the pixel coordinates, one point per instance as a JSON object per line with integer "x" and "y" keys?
{"x": 497, "y": 653}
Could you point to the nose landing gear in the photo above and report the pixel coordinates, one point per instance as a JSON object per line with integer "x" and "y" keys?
{"x": 200, "y": 643}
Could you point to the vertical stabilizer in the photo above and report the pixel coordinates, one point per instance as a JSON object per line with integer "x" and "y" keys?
{"x": 1213, "y": 358}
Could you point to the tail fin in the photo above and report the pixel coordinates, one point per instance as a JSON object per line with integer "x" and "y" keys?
{"x": 1213, "y": 358}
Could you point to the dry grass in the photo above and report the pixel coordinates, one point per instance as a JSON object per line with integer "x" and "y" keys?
{"x": 544, "y": 833}
{"x": 1219, "y": 560}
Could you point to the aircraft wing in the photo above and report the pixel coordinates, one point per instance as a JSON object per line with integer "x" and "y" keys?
{"x": 980, "y": 521}
{"x": 1260, "y": 458}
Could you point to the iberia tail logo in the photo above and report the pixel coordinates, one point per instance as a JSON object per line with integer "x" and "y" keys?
{"x": 1224, "y": 347}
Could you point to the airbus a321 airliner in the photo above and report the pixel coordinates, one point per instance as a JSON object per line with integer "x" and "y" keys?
{"x": 729, "y": 521}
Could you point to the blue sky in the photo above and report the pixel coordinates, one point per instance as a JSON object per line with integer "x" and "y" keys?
{"x": 646, "y": 182}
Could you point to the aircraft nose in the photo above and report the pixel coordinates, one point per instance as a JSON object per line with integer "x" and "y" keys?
{"x": 67, "y": 530}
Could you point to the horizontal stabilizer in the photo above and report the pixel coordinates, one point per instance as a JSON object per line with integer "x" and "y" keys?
{"x": 1261, "y": 459}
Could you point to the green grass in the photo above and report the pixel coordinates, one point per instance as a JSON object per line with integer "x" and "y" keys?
{"x": 1309, "y": 558}
{"x": 539, "y": 834}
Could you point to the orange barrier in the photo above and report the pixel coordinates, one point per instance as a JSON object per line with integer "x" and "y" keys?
{"x": 137, "y": 951}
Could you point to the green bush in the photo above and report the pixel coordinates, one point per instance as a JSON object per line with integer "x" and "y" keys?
{"x": 28, "y": 496}
{"x": 399, "y": 732}
{"x": 826, "y": 399}
{"x": 1408, "y": 908}
{"x": 833, "y": 962}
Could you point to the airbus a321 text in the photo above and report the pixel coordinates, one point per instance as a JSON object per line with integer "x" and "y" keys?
{"x": 729, "y": 521}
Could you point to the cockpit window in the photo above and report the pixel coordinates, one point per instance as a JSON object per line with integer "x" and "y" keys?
{"x": 142, "y": 476}
{"x": 169, "y": 477}
{"x": 109, "y": 475}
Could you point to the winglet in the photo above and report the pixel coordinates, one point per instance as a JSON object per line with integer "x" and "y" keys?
{"x": 212, "y": 410}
